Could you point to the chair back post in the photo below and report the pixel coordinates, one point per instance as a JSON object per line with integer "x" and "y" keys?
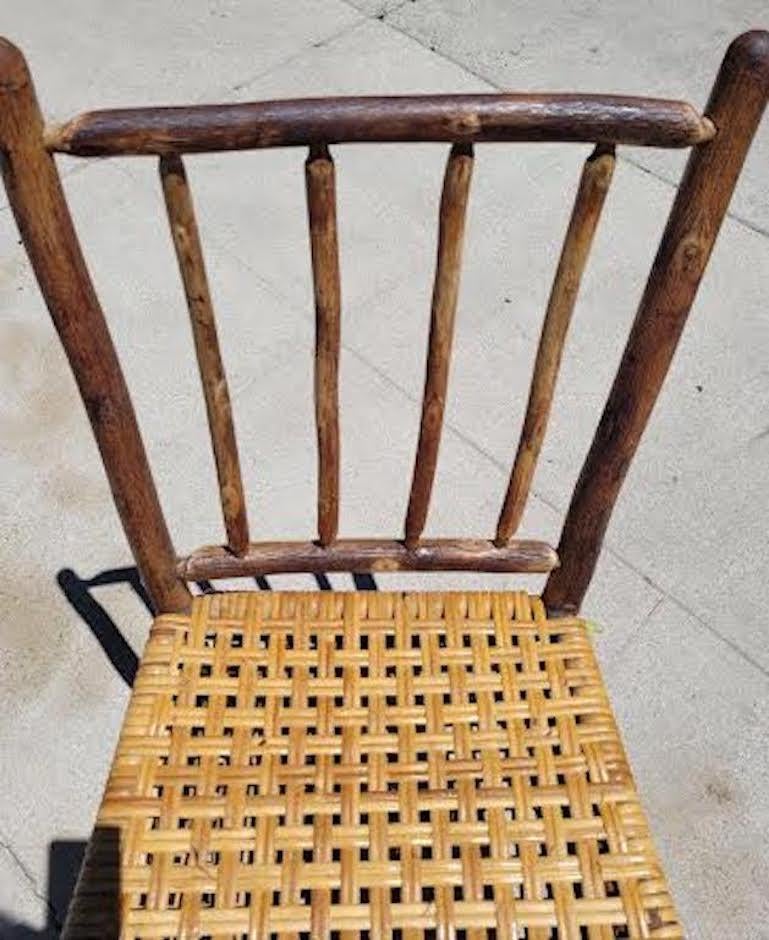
{"x": 736, "y": 105}
{"x": 36, "y": 197}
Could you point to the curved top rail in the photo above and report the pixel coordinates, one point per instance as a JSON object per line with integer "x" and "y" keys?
{"x": 647, "y": 122}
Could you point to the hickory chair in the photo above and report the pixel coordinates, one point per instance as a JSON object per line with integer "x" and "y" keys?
{"x": 379, "y": 765}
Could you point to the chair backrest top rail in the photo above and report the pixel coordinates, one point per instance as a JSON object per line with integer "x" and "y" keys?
{"x": 568, "y": 118}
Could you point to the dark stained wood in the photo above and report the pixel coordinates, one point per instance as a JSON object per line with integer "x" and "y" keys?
{"x": 451, "y": 228}
{"x": 369, "y": 555}
{"x": 736, "y": 105}
{"x": 189, "y": 253}
{"x": 321, "y": 210}
{"x": 465, "y": 118}
{"x": 37, "y": 200}
{"x": 593, "y": 186}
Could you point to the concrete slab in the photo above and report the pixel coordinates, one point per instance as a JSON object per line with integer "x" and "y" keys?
{"x": 667, "y": 50}
{"x": 102, "y": 56}
{"x": 99, "y": 56}
{"x": 695, "y": 716}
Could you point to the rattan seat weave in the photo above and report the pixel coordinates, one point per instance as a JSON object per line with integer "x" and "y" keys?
{"x": 371, "y": 765}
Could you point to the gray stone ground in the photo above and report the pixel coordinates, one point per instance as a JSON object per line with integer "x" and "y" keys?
{"x": 681, "y": 591}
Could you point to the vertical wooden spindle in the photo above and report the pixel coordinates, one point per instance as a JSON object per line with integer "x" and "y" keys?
{"x": 36, "y": 197}
{"x": 453, "y": 211}
{"x": 321, "y": 208}
{"x": 736, "y": 105}
{"x": 593, "y": 186}
{"x": 189, "y": 254}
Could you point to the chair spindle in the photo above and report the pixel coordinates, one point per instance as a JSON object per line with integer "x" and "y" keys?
{"x": 453, "y": 211}
{"x": 321, "y": 208}
{"x": 593, "y": 186}
{"x": 189, "y": 253}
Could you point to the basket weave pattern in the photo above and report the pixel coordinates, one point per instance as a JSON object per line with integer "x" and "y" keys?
{"x": 383, "y": 765}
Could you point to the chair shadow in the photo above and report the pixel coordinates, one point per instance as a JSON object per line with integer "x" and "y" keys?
{"x": 79, "y": 593}
{"x": 98, "y": 909}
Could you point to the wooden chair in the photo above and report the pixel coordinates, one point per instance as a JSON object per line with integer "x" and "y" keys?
{"x": 362, "y": 764}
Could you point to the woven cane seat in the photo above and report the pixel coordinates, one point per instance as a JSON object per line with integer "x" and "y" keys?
{"x": 370, "y": 765}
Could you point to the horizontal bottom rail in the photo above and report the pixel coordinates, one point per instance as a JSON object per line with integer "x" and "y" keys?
{"x": 369, "y": 555}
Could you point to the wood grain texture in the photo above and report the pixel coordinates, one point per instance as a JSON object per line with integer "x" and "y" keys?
{"x": 465, "y": 118}
{"x": 324, "y": 245}
{"x": 369, "y": 555}
{"x": 735, "y": 107}
{"x": 451, "y": 228}
{"x": 37, "y": 200}
{"x": 593, "y": 186}
{"x": 189, "y": 254}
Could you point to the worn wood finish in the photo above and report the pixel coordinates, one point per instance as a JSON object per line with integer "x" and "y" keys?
{"x": 35, "y": 194}
{"x": 369, "y": 555}
{"x": 593, "y": 186}
{"x": 735, "y": 107}
{"x": 321, "y": 210}
{"x": 37, "y": 200}
{"x": 189, "y": 253}
{"x": 468, "y": 118}
{"x": 451, "y": 228}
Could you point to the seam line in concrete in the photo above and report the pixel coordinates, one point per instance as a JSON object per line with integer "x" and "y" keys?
{"x": 87, "y": 162}
{"x": 687, "y": 610}
{"x": 734, "y": 216}
{"x": 315, "y": 44}
{"x": 740, "y": 220}
{"x": 665, "y": 594}
{"x": 382, "y": 15}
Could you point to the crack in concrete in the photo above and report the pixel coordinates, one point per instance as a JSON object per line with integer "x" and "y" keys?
{"x": 682, "y": 605}
{"x": 644, "y": 620}
{"x": 5, "y": 844}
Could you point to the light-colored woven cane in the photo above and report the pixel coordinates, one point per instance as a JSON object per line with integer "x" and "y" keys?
{"x": 371, "y": 765}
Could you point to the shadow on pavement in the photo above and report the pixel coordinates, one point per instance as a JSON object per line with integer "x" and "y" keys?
{"x": 78, "y": 592}
{"x": 98, "y": 910}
